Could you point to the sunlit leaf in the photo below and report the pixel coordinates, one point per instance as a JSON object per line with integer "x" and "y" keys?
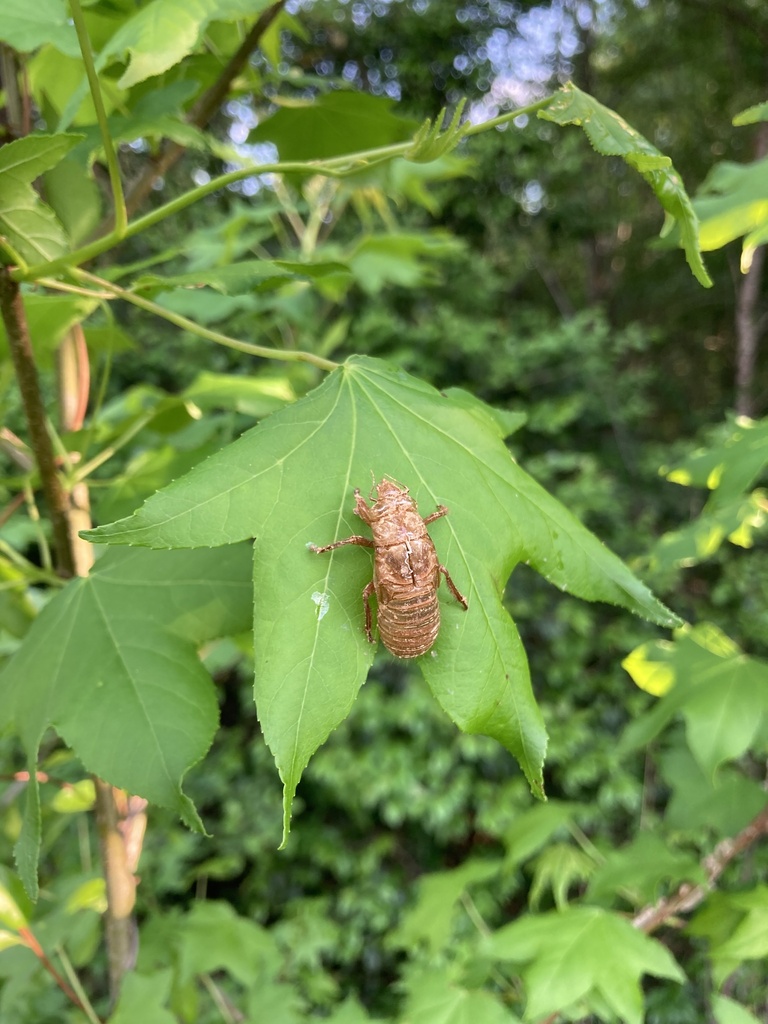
{"x": 25, "y": 26}
{"x": 163, "y": 32}
{"x": 732, "y": 201}
{"x": 759, "y": 112}
{"x": 75, "y": 798}
{"x": 727, "y": 1011}
{"x": 728, "y": 467}
{"x": 26, "y": 222}
{"x": 739, "y": 521}
{"x": 721, "y": 693}
{"x": 11, "y": 914}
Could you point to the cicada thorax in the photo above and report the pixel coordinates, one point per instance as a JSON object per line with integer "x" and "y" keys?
{"x": 405, "y": 579}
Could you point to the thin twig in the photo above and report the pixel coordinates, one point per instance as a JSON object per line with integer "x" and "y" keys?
{"x": 229, "y": 1013}
{"x": 690, "y": 896}
{"x": 265, "y": 352}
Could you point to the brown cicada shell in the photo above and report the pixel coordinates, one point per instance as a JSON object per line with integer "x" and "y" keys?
{"x": 406, "y": 572}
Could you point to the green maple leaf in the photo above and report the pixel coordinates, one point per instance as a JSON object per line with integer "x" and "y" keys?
{"x": 728, "y": 467}
{"x": 736, "y": 927}
{"x": 111, "y": 664}
{"x": 583, "y": 959}
{"x": 640, "y": 867}
{"x": 721, "y": 693}
{"x": 289, "y": 483}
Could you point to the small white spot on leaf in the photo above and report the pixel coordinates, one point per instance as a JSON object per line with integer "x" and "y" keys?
{"x": 321, "y": 600}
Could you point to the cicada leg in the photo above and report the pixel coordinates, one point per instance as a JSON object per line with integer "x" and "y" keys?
{"x": 452, "y": 587}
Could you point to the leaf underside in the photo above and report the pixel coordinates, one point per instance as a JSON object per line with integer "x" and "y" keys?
{"x": 289, "y": 482}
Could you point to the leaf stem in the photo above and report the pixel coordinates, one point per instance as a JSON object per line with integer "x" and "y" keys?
{"x": 73, "y": 289}
{"x": 265, "y": 352}
{"x": 84, "y": 471}
{"x": 511, "y": 115}
{"x": 228, "y": 1013}
{"x": 118, "y": 198}
{"x": 77, "y": 988}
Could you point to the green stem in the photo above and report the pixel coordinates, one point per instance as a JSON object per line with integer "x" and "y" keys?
{"x": 511, "y": 115}
{"x": 118, "y": 198}
{"x": 11, "y": 257}
{"x": 77, "y": 988}
{"x": 84, "y": 471}
{"x": 203, "y": 332}
{"x": 336, "y": 167}
{"x": 43, "y": 547}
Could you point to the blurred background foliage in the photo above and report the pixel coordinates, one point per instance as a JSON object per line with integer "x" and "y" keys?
{"x": 525, "y": 269}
